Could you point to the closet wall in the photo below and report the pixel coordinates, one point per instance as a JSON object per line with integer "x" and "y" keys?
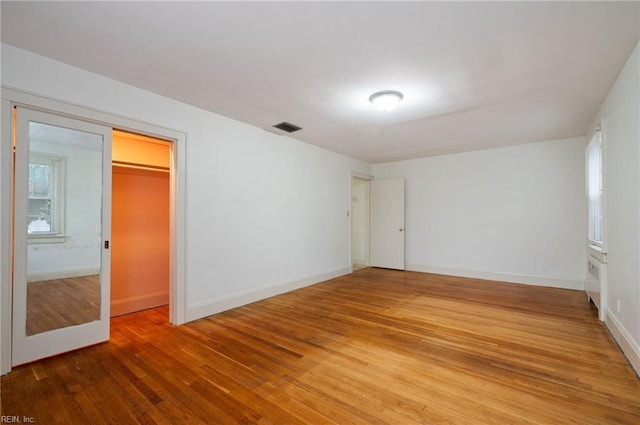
{"x": 140, "y": 223}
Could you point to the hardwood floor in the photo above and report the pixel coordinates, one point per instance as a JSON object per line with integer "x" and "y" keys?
{"x": 374, "y": 347}
{"x": 58, "y": 303}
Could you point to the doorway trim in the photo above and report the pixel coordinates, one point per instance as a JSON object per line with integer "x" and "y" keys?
{"x": 177, "y": 263}
{"x": 361, "y": 176}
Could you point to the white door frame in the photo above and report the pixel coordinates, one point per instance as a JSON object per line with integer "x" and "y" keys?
{"x": 177, "y": 263}
{"x": 362, "y": 176}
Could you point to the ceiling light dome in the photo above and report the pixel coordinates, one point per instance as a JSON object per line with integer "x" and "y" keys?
{"x": 386, "y": 100}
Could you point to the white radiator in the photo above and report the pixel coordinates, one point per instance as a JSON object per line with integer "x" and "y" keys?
{"x": 596, "y": 282}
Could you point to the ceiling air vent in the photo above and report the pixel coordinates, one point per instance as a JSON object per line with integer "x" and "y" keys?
{"x": 288, "y": 127}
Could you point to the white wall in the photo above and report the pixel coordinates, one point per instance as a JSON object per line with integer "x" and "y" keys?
{"x": 265, "y": 213}
{"x": 620, "y": 115}
{"x": 515, "y": 214}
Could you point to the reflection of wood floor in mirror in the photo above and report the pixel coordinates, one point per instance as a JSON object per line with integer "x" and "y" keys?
{"x": 58, "y": 303}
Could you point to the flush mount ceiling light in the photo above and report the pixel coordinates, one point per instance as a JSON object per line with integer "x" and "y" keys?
{"x": 386, "y": 100}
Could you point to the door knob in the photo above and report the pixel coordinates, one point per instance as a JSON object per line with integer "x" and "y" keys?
{"x": 401, "y": 229}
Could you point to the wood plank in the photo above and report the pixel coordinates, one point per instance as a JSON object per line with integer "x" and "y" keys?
{"x": 374, "y": 347}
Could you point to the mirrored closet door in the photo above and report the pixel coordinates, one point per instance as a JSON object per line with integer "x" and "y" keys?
{"x": 62, "y": 207}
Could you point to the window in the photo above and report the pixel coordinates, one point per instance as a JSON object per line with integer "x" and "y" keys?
{"x": 595, "y": 190}
{"x": 45, "y": 200}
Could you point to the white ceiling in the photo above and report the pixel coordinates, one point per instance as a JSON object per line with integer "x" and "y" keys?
{"x": 475, "y": 75}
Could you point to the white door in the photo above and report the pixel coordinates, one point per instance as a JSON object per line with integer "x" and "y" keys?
{"x": 61, "y": 235}
{"x": 387, "y": 223}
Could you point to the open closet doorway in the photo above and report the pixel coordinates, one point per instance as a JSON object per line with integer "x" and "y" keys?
{"x": 360, "y": 204}
{"x": 140, "y": 233}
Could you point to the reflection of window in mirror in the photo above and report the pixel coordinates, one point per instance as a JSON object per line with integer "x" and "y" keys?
{"x": 45, "y": 204}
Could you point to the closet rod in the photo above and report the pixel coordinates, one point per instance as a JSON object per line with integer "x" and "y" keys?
{"x": 140, "y": 167}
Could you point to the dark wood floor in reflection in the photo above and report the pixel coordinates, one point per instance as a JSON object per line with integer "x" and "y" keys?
{"x": 58, "y": 303}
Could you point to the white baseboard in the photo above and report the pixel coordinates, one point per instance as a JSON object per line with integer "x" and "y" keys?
{"x": 575, "y": 284}
{"x": 629, "y": 347}
{"x": 359, "y": 260}
{"x": 216, "y": 305}
{"x": 359, "y": 263}
{"x": 39, "y": 276}
{"x": 138, "y": 303}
